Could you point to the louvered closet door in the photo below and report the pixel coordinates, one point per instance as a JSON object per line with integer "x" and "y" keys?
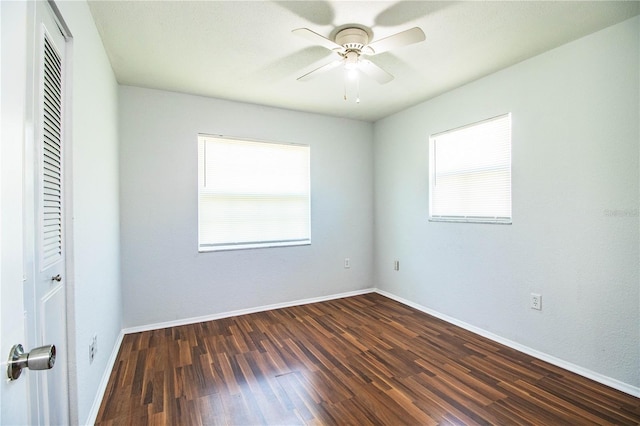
{"x": 48, "y": 319}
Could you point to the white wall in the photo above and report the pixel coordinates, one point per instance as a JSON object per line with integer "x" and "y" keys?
{"x": 13, "y": 80}
{"x": 95, "y": 284}
{"x": 574, "y": 237}
{"x": 164, "y": 278}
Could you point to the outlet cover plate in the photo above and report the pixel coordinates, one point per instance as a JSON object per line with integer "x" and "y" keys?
{"x": 536, "y": 301}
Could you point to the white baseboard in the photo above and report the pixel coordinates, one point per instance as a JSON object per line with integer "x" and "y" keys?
{"x": 600, "y": 378}
{"x": 102, "y": 388}
{"x": 203, "y": 318}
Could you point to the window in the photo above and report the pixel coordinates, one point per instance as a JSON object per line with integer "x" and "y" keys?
{"x": 252, "y": 194}
{"x": 470, "y": 173}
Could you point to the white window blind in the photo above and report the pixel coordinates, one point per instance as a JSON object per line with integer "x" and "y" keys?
{"x": 252, "y": 194}
{"x": 470, "y": 173}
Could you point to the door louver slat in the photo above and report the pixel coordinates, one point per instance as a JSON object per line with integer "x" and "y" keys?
{"x": 52, "y": 156}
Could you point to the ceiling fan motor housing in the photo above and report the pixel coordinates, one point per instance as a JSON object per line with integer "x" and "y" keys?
{"x": 352, "y": 38}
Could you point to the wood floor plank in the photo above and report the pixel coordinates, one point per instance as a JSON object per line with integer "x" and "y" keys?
{"x": 363, "y": 360}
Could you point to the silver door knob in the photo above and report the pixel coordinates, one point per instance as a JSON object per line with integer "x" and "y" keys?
{"x": 42, "y": 358}
{"x": 57, "y": 278}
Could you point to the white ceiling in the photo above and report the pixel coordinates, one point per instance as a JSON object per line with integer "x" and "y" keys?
{"x": 245, "y": 51}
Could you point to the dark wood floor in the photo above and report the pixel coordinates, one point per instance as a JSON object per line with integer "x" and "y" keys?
{"x": 359, "y": 360}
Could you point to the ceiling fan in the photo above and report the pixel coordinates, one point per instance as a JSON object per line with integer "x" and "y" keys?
{"x": 352, "y": 43}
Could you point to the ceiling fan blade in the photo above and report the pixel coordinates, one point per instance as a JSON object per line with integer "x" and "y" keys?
{"x": 320, "y": 70}
{"x": 374, "y": 71}
{"x": 317, "y": 39}
{"x": 404, "y": 38}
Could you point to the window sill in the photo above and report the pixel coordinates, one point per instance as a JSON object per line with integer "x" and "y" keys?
{"x": 471, "y": 219}
{"x": 249, "y": 246}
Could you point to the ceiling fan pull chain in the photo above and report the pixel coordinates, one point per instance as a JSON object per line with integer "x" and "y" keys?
{"x": 345, "y": 86}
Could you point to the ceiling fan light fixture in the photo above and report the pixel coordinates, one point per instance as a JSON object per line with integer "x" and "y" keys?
{"x": 351, "y": 60}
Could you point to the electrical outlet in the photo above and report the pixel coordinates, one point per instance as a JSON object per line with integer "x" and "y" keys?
{"x": 347, "y": 263}
{"x": 396, "y": 265}
{"x": 93, "y": 348}
{"x": 536, "y": 301}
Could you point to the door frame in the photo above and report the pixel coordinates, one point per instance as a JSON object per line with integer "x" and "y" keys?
{"x": 15, "y": 26}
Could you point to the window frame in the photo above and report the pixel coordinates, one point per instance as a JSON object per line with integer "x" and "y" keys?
{"x": 497, "y": 220}
{"x": 204, "y": 247}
